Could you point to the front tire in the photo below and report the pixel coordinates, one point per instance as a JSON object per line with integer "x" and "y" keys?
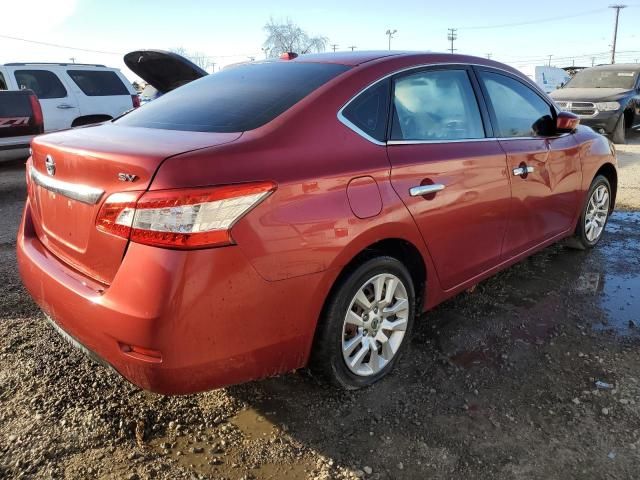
{"x": 366, "y": 324}
{"x": 595, "y": 214}
{"x": 619, "y": 132}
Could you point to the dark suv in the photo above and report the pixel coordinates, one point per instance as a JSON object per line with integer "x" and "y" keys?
{"x": 607, "y": 98}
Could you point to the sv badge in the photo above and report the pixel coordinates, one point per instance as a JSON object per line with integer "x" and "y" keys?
{"x": 127, "y": 177}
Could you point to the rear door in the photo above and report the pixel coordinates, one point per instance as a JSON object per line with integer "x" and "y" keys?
{"x": 100, "y": 92}
{"x": 448, "y": 170}
{"x": 59, "y": 105}
{"x": 544, "y": 168}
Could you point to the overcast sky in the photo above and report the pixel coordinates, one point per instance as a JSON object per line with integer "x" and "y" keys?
{"x": 232, "y": 31}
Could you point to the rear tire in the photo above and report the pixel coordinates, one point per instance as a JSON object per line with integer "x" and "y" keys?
{"x": 595, "y": 215}
{"x": 366, "y": 324}
{"x": 619, "y": 132}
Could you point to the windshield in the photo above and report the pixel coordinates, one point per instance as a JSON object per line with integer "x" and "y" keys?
{"x": 596, "y": 78}
{"x": 236, "y": 99}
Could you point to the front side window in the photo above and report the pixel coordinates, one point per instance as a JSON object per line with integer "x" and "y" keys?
{"x": 435, "y": 105}
{"x": 3, "y": 84}
{"x": 519, "y": 110}
{"x": 96, "y": 83}
{"x": 44, "y": 83}
{"x": 236, "y": 99}
{"x": 369, "y": 110}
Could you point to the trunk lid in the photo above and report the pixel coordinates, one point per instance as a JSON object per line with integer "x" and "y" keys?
{"x": 163, "y": 70}
{"x": 73, "y": 172}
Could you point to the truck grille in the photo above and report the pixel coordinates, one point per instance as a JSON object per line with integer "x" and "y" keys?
{"x": 585, "y": 109}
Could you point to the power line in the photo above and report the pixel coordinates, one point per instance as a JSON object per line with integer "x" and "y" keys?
{"x": 59, "y": 46}
{"x": 531, "y": 22}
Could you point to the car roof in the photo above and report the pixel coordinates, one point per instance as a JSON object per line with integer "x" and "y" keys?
{"x": 353, "y": 59}
{"x": 617, "y": 66}
{"x": 53, "y": 64}
{"x": 347, "y": 58}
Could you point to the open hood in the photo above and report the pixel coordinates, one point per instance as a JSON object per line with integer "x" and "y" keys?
{"x": 163, "y": 70}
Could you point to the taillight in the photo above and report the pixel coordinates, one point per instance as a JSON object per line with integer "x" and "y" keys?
{"x": 38, "y": 119}
{"x": 135, "y": 99}
{"x": 186, "y": 218}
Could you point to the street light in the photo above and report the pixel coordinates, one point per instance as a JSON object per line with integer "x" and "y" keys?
{"x": 391, "y": 33}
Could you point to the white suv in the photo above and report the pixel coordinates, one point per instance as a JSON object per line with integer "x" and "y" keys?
{"x": 72, "y": 94}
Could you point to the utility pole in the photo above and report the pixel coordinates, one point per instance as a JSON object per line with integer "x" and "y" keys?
{"x": 593, "y": 61}
{"x": 451, "y": 37}
{"x": 334, "y": 46}
{"x": 73, "y": 59}
{"x": 550, "y": 59}
{"x": 352, "y": 47}
{"x": 390, "y": 33}
{"x": 615, "y": 31}
{"x": 489, "y": 55}
{"x": 266, "y": 52}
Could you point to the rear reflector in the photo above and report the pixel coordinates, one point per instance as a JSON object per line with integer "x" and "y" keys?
{"x": 184, "y": 219}
{"x": 135, "y": 99}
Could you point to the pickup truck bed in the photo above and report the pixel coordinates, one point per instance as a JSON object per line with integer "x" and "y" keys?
{"x": 20, "y": 120}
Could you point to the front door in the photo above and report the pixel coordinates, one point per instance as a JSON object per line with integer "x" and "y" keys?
{"x": 544, "y": 168}
{"x": 448, "y": 171}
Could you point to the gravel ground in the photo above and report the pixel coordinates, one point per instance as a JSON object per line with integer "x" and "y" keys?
{"x": 497, "y": 383}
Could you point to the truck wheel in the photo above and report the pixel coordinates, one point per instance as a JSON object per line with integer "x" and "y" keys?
{"x": 618, "y": 135}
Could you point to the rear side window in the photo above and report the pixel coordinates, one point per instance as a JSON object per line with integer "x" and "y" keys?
{"x": 44, "y": 83}
{"x": 236, "y": 99}
{"x": 435, "y": 105}
{"x": 98, "y": 83}
{"x": 3, "y": 84}
{"x": 369, "y": 110}
{"x": 519, "y": 111}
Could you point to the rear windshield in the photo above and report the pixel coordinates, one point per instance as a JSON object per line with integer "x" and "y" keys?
{"x": 236, "y": 99}
{"x": 98, "y": 83}
{"x": 597, "y": 78}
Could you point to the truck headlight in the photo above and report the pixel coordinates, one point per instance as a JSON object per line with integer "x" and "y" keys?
{"x": 607, "y": 106}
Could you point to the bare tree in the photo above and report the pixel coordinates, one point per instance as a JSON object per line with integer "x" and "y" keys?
{"x": 198, "y": 58}
{"x": 286, "y": 36}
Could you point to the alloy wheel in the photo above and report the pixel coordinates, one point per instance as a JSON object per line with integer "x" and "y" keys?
{"x": 597, "y": 213}
{"x": 375, "y": 324}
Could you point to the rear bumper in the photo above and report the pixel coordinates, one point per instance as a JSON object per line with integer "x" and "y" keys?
{"x": 199, "y": 319}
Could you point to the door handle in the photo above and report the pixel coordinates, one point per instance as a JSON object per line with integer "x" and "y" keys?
{"x": 64, "y": 106}
{"x": 521, "y": 171}
{"x": 421, "y": 190}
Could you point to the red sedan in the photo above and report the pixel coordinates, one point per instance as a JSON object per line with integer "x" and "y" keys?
{"x": 293, "y": 212}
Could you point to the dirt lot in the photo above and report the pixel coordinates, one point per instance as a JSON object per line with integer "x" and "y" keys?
{"x": 497, "y": 383}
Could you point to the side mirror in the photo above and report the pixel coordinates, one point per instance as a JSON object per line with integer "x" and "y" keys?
{"x": 566, "y": 122}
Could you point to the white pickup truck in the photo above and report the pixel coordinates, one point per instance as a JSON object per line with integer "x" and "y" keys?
{"x": 72, "y": 94}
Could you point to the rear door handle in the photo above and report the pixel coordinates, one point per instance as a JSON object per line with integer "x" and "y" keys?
{"x": 521, "y": 171}
{"x": 421, "y": 190}
{"x": 64, "y": 106}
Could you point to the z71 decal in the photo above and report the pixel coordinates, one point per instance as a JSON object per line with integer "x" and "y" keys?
{"x": 14, "y": 122}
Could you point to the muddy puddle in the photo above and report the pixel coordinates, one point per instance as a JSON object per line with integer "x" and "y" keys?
{"x": 533, "y": 301}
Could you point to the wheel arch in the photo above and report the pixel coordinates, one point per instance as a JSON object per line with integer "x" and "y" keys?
{"x": 608, "y": 171}
{"x": 89, "y": 119}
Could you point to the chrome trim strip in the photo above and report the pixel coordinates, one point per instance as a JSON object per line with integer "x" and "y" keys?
{"x": 425, "y": 189}
{"x": 460, "y": 140}
{"x": 364, "y": 135}
{"x": 353, "y": 127}
{"x": 81, "y": 193}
